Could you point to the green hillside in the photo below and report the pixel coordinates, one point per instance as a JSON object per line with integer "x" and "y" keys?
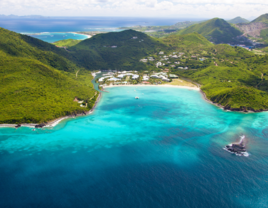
{"x": 36, "y": 85}
{"x": 215, "y": 30}
{"x": 116, "y": 50}
{"x": 192, "y": 40}
{"x": 238, "y": 81}
{"x": 66, "y": 43}
{"x": 238, "y": 20}
{"x": 263, "y": 18}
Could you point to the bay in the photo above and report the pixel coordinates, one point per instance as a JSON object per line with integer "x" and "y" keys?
{"x": 162, "y": 150}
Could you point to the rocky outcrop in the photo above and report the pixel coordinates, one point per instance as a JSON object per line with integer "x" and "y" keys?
{"x": 40, "y": 125}
{"x": 238, "y": 148}
{"x": 253, "y": 29}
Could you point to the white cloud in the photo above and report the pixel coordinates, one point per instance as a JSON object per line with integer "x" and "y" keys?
{"x": 160, "y": 8}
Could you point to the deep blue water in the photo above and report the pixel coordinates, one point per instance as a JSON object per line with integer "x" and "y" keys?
{"x": 163, "y": 150}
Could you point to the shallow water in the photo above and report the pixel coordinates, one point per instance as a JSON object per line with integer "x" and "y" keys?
{"x": 162, "y": 150}
{"x": 52, "y": 37}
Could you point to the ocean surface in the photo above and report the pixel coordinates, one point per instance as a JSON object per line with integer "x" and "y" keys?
{"x": 162, "y": 150}
{"x": 78, "y": 24}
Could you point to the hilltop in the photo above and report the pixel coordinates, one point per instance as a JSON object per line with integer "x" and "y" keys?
{"x": 263, "y": 18}
{"x": 215, "y": 30}
{"x": 116, "y": 50}
{"x": 39, "y": 85}
{"x": 238, "y": 20}
{"x": 256, "y": 30}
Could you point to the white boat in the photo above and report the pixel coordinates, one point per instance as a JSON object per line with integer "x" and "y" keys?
{"x": 136, "y": 97}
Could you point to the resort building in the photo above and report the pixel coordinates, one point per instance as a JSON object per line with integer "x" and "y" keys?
{"x": 173, "y": 76}
{"x": 161, "y": 52}
{"x": 114, "y": 79}
{"x": 144, "y": 60}
{"x": 145, "y": 78}
{"x": 135, "y": 76}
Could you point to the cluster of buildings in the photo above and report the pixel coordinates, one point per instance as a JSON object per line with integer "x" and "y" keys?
{"x": 161, "y": 75}
{"x": 118, "y": 76}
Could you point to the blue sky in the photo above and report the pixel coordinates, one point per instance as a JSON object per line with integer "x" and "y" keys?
{"x": 144, "y": 8}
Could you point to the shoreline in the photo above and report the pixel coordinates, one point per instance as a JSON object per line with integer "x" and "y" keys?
{"x": 42, "y": 33}
{"x": 88, "y": 36}
{"x": 229, "y": 109}
{"x": 146, "y": 85}
{"x": 56, "y": 121}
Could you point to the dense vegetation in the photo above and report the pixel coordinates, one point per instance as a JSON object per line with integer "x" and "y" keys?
{"x": 238, "y": 20}
{"x": 38, "y": 85}
{"x": 116, "y": 50}
{"x": 232, "y": 77}
{"x": 192, "y": 40}
{"x": 263, "y": 18}
{"x": 66, "y": 42}
{"x": 215, "y": 30}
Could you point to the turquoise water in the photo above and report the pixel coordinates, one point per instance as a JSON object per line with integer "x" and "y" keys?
{"x": 52, "y": 37}
{"x": 162, "y": 150}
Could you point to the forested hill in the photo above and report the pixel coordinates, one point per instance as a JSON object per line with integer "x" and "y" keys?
{"x": 38, "y": 85}
{"x": 238, "y": 20}
{"x": 263, "y": 18}
{"x": 215, "y": 30}
{"x": 192, "y": 40}
{"x": 116, "y": 50}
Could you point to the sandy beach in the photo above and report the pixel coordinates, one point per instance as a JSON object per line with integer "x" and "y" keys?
{"x": 88, "y": 36}
{"x": 141, "y": 85}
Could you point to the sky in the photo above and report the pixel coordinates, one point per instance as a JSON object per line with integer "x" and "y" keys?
{"x": 137, "y": 8}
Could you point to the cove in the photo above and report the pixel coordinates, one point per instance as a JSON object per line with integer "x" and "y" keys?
{"x": 162, "y": 150}
{"x": 52, "y": 37}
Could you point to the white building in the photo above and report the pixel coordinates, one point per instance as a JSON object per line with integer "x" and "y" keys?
{"x": 102, "y": 78}
{"x": 114, "y": 79}
{"x": 155, "y": 76}
{"x": 165, "y": 79}
{"x": 121, "y": 76}
{"x": 145, "y": 78}
{"x": 161, "y": 52}
{"x": 135, "y": 76}
{"x": 144, "y": 60}
{"x": 113, "y": 46}
{"x": 158, "y": 64}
